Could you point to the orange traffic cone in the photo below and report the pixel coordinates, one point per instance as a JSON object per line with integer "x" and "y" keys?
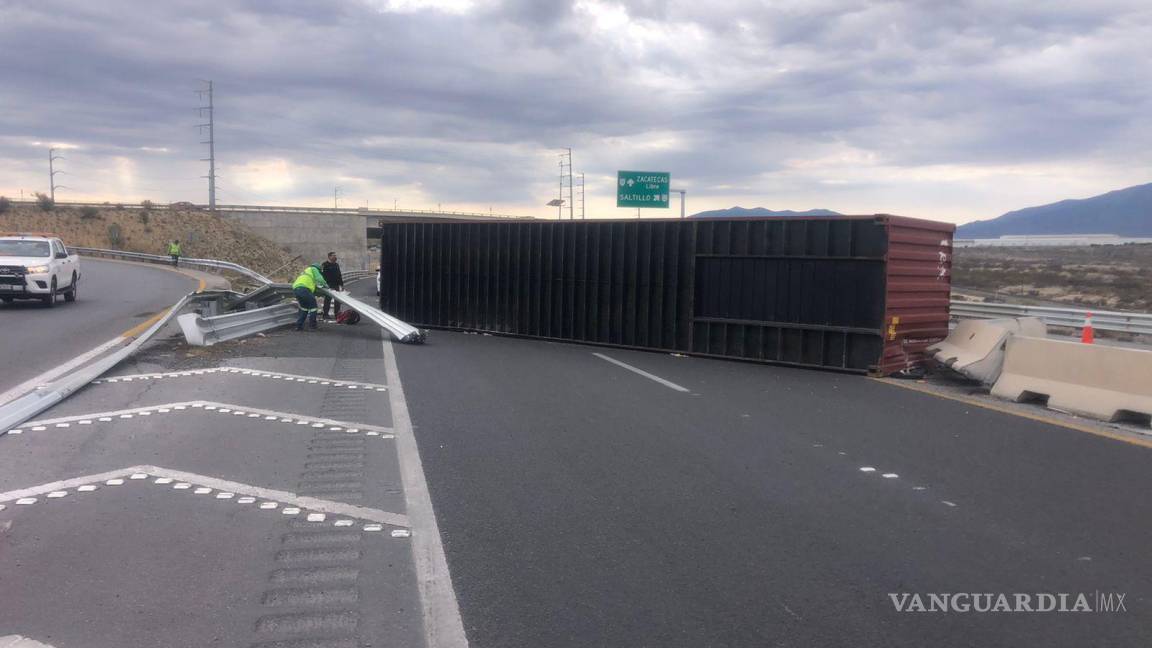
{"x": 1087, "y": 336}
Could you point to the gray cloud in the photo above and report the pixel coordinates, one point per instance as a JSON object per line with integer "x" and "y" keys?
{"x": 813, "y": 101}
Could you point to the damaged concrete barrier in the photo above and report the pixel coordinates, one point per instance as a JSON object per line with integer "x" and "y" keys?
{"x": 1103, "y": 382}
{"x": 975, "y": 348}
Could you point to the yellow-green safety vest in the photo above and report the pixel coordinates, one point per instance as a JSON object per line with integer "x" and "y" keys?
{"x": 174, "y": 249}
{"x": 310, "y": 278}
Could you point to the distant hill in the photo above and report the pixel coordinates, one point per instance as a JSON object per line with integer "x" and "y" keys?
{"x": 737, "y": 212}
{"x": 1125, "y": 212}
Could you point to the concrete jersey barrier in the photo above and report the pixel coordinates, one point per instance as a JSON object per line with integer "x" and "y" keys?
{"x": 975, "y": 348}
{"x": 1103, "y": 382}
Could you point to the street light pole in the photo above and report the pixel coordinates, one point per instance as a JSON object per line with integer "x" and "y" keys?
{"x": 681, "y": 192}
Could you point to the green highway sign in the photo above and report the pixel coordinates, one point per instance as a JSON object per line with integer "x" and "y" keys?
{"x": 642, "y": 188}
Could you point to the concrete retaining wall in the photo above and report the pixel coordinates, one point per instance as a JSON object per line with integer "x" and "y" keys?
{"x": 312, "y": 235}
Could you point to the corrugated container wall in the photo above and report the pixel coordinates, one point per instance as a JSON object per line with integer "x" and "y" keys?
{"x": 849, "y": 293}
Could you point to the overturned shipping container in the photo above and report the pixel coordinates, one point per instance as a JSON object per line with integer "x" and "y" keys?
{"x": 854, "y": 293}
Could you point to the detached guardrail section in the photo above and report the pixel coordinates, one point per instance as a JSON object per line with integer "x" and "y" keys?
{"x": 25, "y": 407}
{"x": 400, "y": 330}
{"x": 1138, "y": 323}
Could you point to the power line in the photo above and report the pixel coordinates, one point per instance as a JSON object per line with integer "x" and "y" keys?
{"x": 210, "y": 111}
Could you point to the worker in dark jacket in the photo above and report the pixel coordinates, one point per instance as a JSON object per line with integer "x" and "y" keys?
{"x": 304, "y": 288}
{"x": 331, "y": 271}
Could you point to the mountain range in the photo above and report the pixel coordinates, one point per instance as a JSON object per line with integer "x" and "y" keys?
{"x": 738, "y": 212}
{"x": 1124, "y": 212}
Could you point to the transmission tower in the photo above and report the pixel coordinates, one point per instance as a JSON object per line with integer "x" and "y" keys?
{"x": 566, "y": 180}
{"x": 52, "y": 186}
{"x": 580, "y": 184}
{"x": 209, "y": 111}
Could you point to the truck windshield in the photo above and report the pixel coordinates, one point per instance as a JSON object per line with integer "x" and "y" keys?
{"x": 19, "y": 248}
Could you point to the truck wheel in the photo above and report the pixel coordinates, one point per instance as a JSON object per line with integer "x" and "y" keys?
{"x": 70, "y": 294}
{"x": 50, "y": 298}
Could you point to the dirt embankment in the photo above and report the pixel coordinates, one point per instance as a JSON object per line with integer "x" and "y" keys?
{"x": 1115, "y": 277}
{"x": 201, "y": 234}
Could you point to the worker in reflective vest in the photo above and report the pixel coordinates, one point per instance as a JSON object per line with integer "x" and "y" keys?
{"x": 174, "y": 252}
{"x": 305, "y": 290}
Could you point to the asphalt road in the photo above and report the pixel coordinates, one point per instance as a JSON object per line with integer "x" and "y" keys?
{"x": 579, "y": 502}
{"x": 218, "y": 508}
{"x": 582, "y": 504}
{"x": 114, "y": 297}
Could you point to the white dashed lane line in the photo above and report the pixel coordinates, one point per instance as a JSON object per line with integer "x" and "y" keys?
{"x": 868, "y": 470}
{"x": 667, "y": 383}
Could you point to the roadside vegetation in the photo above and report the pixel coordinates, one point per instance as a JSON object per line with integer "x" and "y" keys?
{"x": 1111, "y": 277}
{"x": 201, "y": 233}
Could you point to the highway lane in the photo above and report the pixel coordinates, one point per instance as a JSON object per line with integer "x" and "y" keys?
{"x": 272, "y": 515}
{"x": 584, "y": 504}
{"x": 114, "y": 297}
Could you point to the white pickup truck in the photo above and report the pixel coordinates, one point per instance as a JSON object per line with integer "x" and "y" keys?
{"x": 37, "y": 266}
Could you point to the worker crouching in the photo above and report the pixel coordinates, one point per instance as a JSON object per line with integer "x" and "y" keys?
{"x": 304, "y": 288}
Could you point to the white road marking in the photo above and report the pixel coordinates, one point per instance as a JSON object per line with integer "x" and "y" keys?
{"x": 245, "y": 500}
{"x": 19, "y": 641}
{"x": 40, "y": 426}
{"x": 57, "y": 494}
{"x": 666, "y": 383}
{"x": 919, "y": 488}
{"x": 208, "y": 484}
{"x": 276, "y": 375}
{"x": 443, "y": 627}
{"x": 890, "y": 476}
{"x": 867, "y": 469}
{"x": 946, "y": 502}
{"x": 316, "y": 517}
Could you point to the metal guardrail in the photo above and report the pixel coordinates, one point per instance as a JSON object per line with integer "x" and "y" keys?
{"x": 1119, "y": 321}
{"x": 25, "y": 407}
{"x": 213, "y": 264}
{"x": 200, "y": 330}
{"x": 357, "y": 211}
{"x": 402, "y": 331}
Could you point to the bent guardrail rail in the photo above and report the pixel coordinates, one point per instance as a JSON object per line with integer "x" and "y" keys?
{"x": 200, "y": 330}
{"x": 25, "y": 407}
{"x": 1119, "y": 321}
{"x": 213, "y": 264}
{"x": 400, "y": 330}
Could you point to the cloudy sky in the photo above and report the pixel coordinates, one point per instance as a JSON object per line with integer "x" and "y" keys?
{"x": 955, "y": 110}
